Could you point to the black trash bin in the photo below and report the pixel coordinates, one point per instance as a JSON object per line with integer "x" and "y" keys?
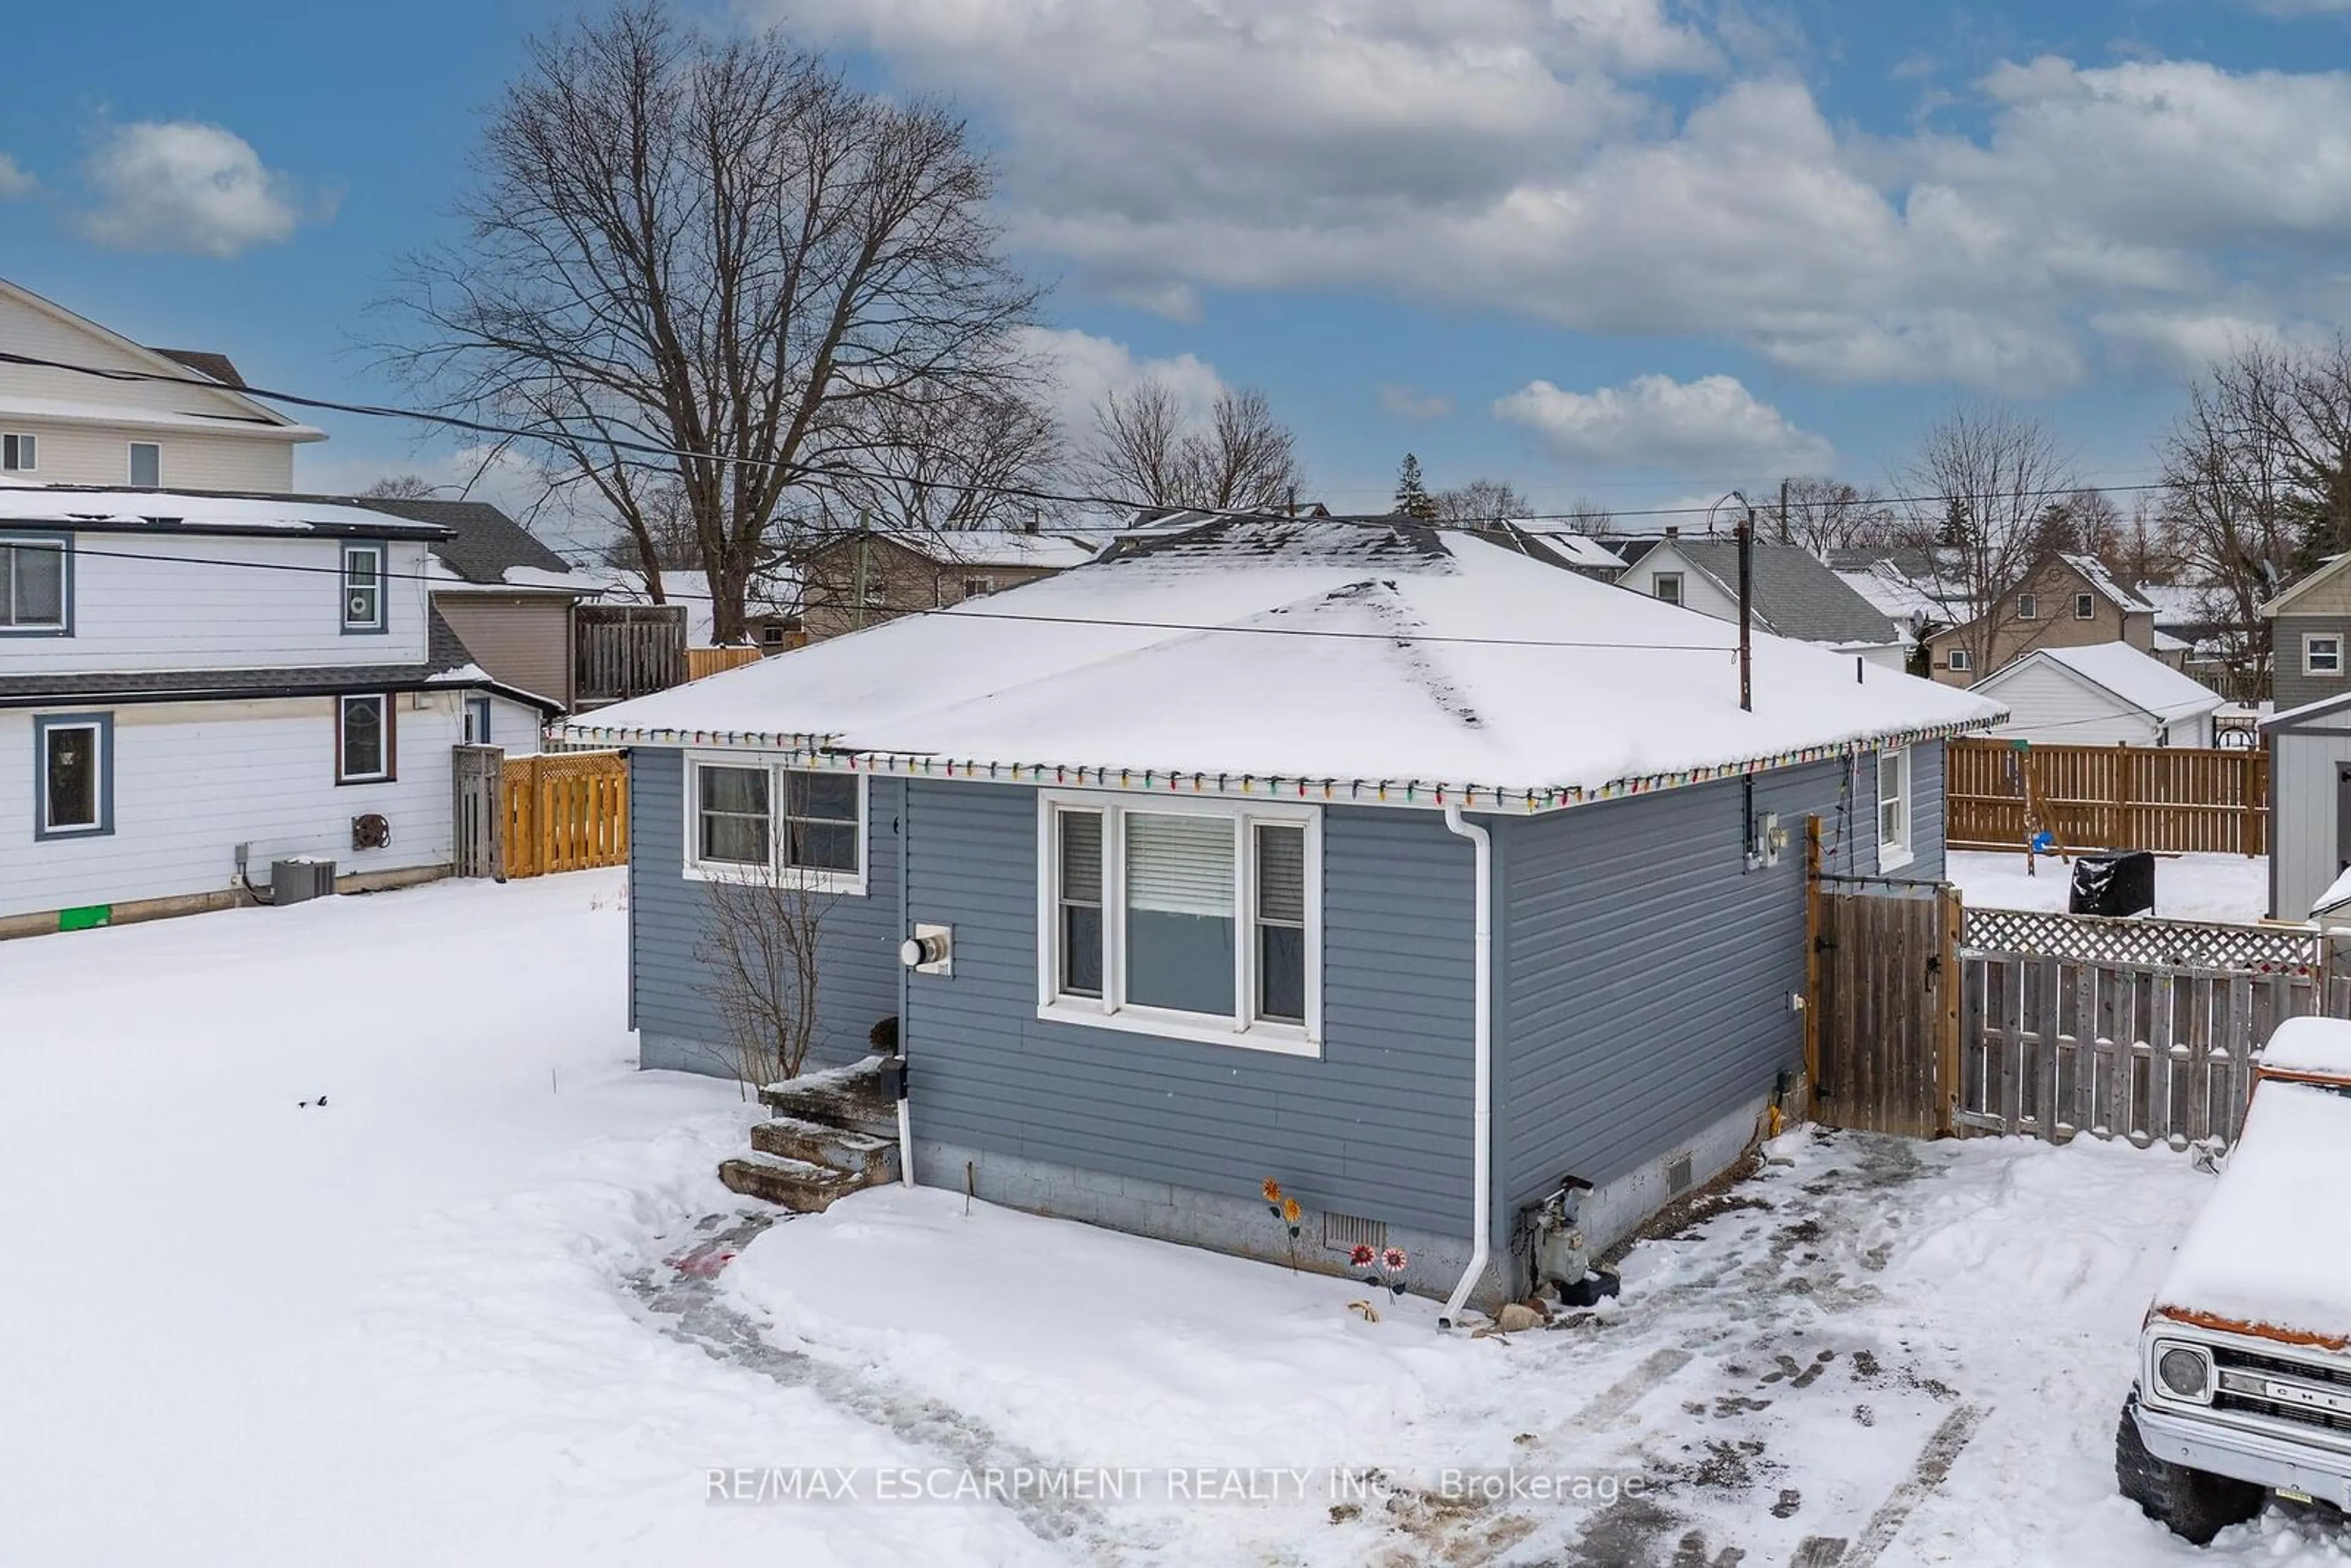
{"x": 2121, "y": 884}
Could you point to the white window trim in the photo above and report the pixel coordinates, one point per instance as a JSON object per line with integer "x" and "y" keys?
{"x": 1956, "y": 659}
{"x": 2028, "y": 607}
{"x": 382, "y": 556}
{"x": 1656, "y": 588}
{"x": 100, "y": 761}
{"x": 2086, "y": 607}
{"x": 23, "y": 437}
{"x": 384, "y": 773}
{"x": 1895, "y": 854}
{"x": 1110, "y": 1010}
{"x": 131, "y": 460}
{"x": 848, "y": 885}
{"x": 2309, "y": 640}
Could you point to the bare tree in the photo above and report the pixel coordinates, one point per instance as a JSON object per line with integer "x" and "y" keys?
{"x": 717, "y": 248}
{"x": 401, "y": 488}
{"x": 1482, "y": 501}
{"x": 1147, "y": 451}
{"x": 1989, "y": 475}
{"x": 2148, "y": 550}
{"x": 759, "y": 960}
{"x": 1823, "y": 514}
{"x": 962, "y": 459}
{"x": 2233, "y": 495}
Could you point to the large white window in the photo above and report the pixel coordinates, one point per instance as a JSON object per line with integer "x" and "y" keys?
{"x": 747, "y": 820}
{"x": 35, "y": 584}
{"x": 1893, "y": 810}
{"x": 363, "y": 741}
{"x": 363, "y": 588}
{"x": 2322, "y": 653}
{"x": 146, "y": 465}
{"x": 73, "y": 778}
{"x": 1667, "y": 586}
{"x": 1200, "y": 920}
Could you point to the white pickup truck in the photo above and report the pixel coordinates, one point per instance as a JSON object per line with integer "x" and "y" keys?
{"x": 2244, "y": 1365}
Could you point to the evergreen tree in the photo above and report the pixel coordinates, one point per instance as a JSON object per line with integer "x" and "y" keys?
{"x": 1412, "y": 496}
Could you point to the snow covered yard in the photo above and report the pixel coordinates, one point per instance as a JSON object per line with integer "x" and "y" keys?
{"x": 2233, "y": 888}
{"x": 488, "y": 1305}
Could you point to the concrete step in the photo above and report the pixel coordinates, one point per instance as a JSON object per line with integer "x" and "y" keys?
{"x": 796, "y": 1185}
{"x": 850, "y": 1098}
{"x": 866, "y": 1155}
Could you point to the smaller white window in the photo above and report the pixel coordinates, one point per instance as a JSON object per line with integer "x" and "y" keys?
{"x": 34, "y": 574}
{"x": 978, "y": 587}
{"x": 146, "y": 465}
{"x": 363, "y": 739}
{"x": 1667, "y": 587}
{"x": 477, "y": 721}
{"x": 1957, "y": 660}
{"x": 2028, "y": 607}
{"x": 749, "y": 820}
{"x": 1893, "y": 810}
{"x": 363, "y": 588}
{"x": 2322, "y": 653}
{"x": 2085, "y": 608}
{"x": 17, "y": 453}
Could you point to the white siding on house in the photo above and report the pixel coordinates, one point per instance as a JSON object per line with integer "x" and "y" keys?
{"x": 516, "y": 725}
{"x": 1698, "y": 590}
{"x": 187, "y": 611}
{"x": 2304, "y": 858}
{"x": 193, "y": 780}
{"x": 192, "y": 460}
{"x": 2055, "y": 708}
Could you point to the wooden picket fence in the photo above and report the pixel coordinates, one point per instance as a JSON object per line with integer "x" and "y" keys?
{"x": 565, "y": 811}
{"x": 2172, "y": 800}
{"x": 701, "y": 662}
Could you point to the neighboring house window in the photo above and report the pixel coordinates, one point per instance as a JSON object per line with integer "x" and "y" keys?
{"x": 36, "y": 588}
{"x": 477, "y": 721}
{"x": 1667, "y": 586}
{"x": 2028, "y": 607}
{"x": 17, "y": 452}
{"x": 771, "y": 635}
{"x": 978, "y": 587}
{"x": 363, "y": 741}
{"x": 751, "y": 819}
{"x": 74, "y": 772}
{"x": 1200, "y": 924}
{"x": 146, "y": 465}
{"x": 1959, "y": 659}
{"x": 2085, "y": 608}
{"x": 1893, "y": 809}
{"x": 2322, "y": 653}
{"x": 363, "y": 588}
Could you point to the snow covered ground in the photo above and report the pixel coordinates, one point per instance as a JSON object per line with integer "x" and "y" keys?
{"x": 2187, "y": 887}
{"x": 488, "y": 1304}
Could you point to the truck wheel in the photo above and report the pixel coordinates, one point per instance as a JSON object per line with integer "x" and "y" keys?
{"x": 2195, "y": 1505}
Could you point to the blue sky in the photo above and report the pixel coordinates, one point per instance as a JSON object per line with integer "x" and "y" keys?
{"x": 1632, "y": 250}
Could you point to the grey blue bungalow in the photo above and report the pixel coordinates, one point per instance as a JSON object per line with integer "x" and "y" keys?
{"x": 1381, "y": 861}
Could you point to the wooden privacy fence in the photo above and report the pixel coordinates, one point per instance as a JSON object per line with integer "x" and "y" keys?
{"x": 701, "y": 662}
{"x": 1883, "y": 1009}
{"x": 2169, "y": 798}
{"x": 2142, "y": 1029}
{"x": 477, "y": 773}
{"x": 565, "y": 811}
{"x": 628, "y": 650}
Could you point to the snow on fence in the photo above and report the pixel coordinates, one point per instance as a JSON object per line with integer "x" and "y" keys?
{"x": 565, "y": 811}
{"x": 2168, "y": 798}
{"x": 2133, "y": 1029}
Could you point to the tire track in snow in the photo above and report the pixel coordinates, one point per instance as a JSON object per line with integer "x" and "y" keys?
{"x": 681, "y": 1291}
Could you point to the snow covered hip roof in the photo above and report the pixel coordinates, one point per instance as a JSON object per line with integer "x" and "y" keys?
{"x": 1362, "y": 659}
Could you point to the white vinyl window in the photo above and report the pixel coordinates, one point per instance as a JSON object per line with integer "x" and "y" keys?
{"x": 2084, "y": 606}
{"x": 1959, "y": 659}
{"x": 146, "y": 465}
{"x": 1893, "y": 810}
{"x": 34, "y": 574}
{"x": 2322, "y": 653}
{"x": 2028, "y": 607}
{"x": 363, "y": 588}
{"x": 746, "y": 820}
{"x": 363, "y": 744}
{"x": 1667, "y": 586}
{"x": 17, "y": 453}
{"x": 1197, "y": 921}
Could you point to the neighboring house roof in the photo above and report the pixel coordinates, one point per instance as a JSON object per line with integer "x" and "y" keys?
{"x": 2335, "y": 567}
{"x": 1894, "y": 595}
{"x": 1578, "y": 552}
{"x": 447, "y": 662}
{"x": 2294, "y": 717}
{"x": 2136, "y": 680}
{"x": 96, "y": 509}
{"x": 1794, "y": 594}
{"x": 484, "y": 548}
{"x": 1009, "y": 547}
{"x": 1360, "y": 657}
{"x": 206, "y": 363}
{"x": 2165, "y": 642}
{"x": 2093, "y": 571}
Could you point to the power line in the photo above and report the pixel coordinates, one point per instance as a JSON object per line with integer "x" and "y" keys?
{"x": 997, "y": 489}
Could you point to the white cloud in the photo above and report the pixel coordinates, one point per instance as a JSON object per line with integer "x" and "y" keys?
{"x": 14, "y": 179}
{"x": 1411, "y": 403}
{"x": 1712, "y": 425}
{"x": 1085, "y": 368}
{"x": 1502, "y": 154}
{"x": 181, "y": 186}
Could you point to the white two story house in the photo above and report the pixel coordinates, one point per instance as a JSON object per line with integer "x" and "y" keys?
{"x": 194, "y": 686}
{"x": 194, "y": 429}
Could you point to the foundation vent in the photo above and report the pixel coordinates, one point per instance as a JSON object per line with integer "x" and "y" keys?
{"x": 1677, "y": 1174}
{"x": 1344, "y": 1232}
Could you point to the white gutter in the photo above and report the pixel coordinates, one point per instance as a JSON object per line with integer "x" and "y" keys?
{"x": 1482, "y": 1028}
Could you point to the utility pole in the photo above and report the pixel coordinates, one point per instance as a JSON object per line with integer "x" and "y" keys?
{"x": 864, "y": 553}
{"x": 1746, "y": 608}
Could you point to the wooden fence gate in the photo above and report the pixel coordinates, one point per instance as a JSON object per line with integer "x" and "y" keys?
{"x": 1883, "y": 1012}
{"x": 480, "y": 810}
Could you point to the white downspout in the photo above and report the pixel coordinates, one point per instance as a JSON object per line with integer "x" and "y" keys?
{"x": 1482, "y": 1028}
